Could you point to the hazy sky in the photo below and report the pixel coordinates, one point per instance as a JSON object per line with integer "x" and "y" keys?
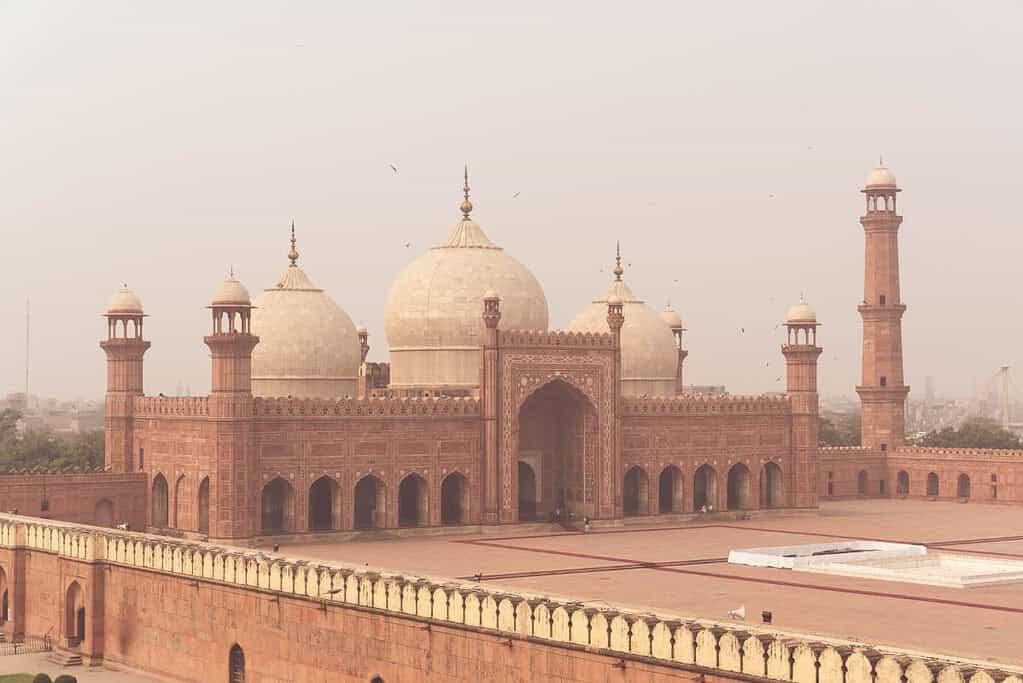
{"x": 724, "y": 143}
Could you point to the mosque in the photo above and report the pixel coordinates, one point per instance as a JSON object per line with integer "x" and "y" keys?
{"x": 483, "y": 415}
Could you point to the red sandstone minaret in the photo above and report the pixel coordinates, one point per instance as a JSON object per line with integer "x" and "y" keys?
{"x": 233, "y": 514}
{"x": 882, "y": 392}
{"x": 615, "y": 320}
{"x": 364, "y": 351}
{"x": 801, "y": 353}
{"x": 124, "y": 347}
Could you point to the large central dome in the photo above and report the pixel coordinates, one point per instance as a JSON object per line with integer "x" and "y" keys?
{"x": 434, "y": 319}
{"x": 308, "y": 346}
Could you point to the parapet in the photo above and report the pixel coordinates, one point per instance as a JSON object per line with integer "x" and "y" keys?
{"x": 51, "y": 471}
{"x": 850, "y": 451}
{"x": 188, "y": 406}
{"x": 929, "y": 452}
{"x": 366, "y": 407}
{"x": 615, "y": 631}
{"x": 704, "y": 405}
{"x": 562, "y": 338}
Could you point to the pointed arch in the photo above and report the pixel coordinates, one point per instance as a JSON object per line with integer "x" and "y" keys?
{"x": 236, "y": 664}
{"x": 963, "y": 486}
{"x": 902, "y": 483}
{"x": 933, "y": 484}
{"x": 670, "y": 490}
{"x": 454, "y": 499}
{"x": 324, "y": 505}
{"x": 203, "y": 516}
{"x": 159, "y": 502}
{"x": 705, "y": 488}
{"x": 636, "y": 492}
{"x": 74, "y": 615}
{"x": 740, "y": 487}
{"x": 277, "y": 507}
{"x": 182, "y": 503}
{"x": 413, "y": 501}
{"x": 370, "y": 501}
{"x": 772, "y": 486}
{"x": 862, "y": 483}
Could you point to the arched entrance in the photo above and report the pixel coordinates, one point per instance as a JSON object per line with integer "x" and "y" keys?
{"x": 739, "y": 487}
{"x": 236, "y": 665}
{"x": 902, "y": 483}
{"x": 635, "y": 492}
{"x": 182, "y": 503}
{"x": 932, "y": 484}
{"x": 412, "y": 501}
{"x": 557, "y": 439}
{"x": 527, "y": 492}
{"x": 324, "y": 510}
{"x": 74, "y": 619}
{"x": 277, "y": 506}
{"x": 772, "y": 491}
{"x": 669, "y": 490}
{"x": 204, "y": 506}
{"x": 5, "y": 602}
{"x": 705, "y": 488}
{"x": 861, "y": 483}
{"x": 454, "y": 499}
{"x": 159, "y": 502}
{"x": 105, "y": 513}
{"x": 370, "y": 503}
{"x": 963, "y": 486}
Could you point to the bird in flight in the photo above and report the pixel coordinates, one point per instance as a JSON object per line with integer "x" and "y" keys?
{"x": 393, "y": 167}
{"x": 516, "y": 195}
{"x": 408, "y": 245}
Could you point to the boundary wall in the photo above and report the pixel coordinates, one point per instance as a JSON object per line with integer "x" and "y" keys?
{"x": 177, "y": 609}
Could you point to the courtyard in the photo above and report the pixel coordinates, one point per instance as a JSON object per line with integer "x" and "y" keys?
{"x": 682, "y": 569}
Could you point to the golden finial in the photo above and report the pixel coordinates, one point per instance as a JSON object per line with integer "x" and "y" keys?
{"x": 466, "y": 204}
{"x": 293, "y": 254}
{"x": 618, "y": 262}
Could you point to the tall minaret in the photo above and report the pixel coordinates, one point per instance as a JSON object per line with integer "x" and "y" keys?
{"x": 232, "y": 514}
{"x": 124, "y": 347}
{"x": 801, "y": 353}
{"x": 882, "y": 391}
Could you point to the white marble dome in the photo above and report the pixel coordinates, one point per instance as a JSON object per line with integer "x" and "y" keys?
{"x": 308, "y": 346}
{"x": 231, "y": 292}
{"x": 801, "y": 313}
{"x": 649, "y": 354}
{"x": 125, "y": 302}
{"x": 881, "y": 177}
{"x": 434, "y": 315}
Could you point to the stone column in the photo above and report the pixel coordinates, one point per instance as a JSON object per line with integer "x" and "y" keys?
{"x": 490, "y": 402}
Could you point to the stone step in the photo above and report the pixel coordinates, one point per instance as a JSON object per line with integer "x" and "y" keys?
{"x": 65, "y": 658}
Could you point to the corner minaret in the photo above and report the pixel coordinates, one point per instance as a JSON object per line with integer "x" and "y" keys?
{"x": 125, "y": 348}
{"x": 231, "y": 343}
{"x": 801, "y": 352}
{"x": 882, "y": 391}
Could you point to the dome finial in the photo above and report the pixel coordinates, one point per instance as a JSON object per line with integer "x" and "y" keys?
{"x": 618, "y": 262}
{"x": 292, "y": 253}
{"x": 466, "y": 206}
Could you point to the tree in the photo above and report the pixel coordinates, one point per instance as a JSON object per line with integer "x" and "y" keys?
{"x": 839, "y": 429}
{"x": 974, "y": 432}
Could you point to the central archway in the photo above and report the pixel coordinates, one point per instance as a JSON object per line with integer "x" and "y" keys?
{"x": 705, "y": 488}
{"x": 557, "y": 442}
{"x": 277, "y": 506}
{"x": 739, "y": 488}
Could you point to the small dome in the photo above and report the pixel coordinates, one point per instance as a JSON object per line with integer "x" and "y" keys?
{"x": 490, "y": 295}
{"x": 230, "y": 292}
{"x": 801, "y": 313}
{"x": 649, "y": 354}
{"x": 670, "y": 316}
{"x": 361, "y": 329}
{"x": 125, "y": 302}
{"x": 881, "y": 177}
